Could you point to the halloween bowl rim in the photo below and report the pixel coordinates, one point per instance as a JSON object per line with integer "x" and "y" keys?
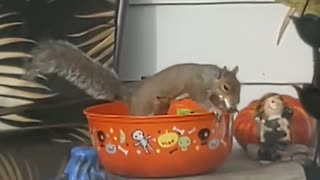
{"x": 129, "y": 119}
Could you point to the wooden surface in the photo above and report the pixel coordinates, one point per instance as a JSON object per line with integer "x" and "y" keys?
{"x": 240, "y": 167}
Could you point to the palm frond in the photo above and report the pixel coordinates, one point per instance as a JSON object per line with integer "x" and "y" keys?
{"x": 105, "y": 53}
{"x": 9, "y": 86}
{"x": 4, "y": 15}
{"x": 12, "y": 102}
{"x": 58, "y": 140}
{"x": 101, "y": 44}
{"x": 37, "y": 173}
{"x": 12, "y": 89}
{"x": 77, "y": 137}
{"x": 9, "y": 55}
{"x": 111, "y": 1}
{"x": 295, "y": 8}
{"x": 12, "y": 168}
{"x": 23, "y": 151}
{"x": 285, "y": 23}
{"x": 96, "y": 39}
{"x": 89, "y": 30}
{"x": 6, "y": 25}
{"x": 109, "y": 62}
{"x": 5, "y": 69}
{"x": 98, "y": 15}
{"x": 10, "y": 40}
{"x": 4, "y": 174}
{"x": 18, "y": 118}
{"x": 23, "y": 94}
{"x": 83, "y": 131}
{"x": 29, "y": 170}
{"x": 11, "y": 81}
{"x": 105, "y": 43}
{"x": 17, "y": 170}
{"x": 7, "y": 166}
{"x": 15, "y": 70}
{"x": 60, "y": 172}
{"x": 74, "y": 134}
{"x": 100, "y": 36}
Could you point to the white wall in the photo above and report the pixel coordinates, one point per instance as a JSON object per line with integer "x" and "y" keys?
{"x": 157, "y": 36}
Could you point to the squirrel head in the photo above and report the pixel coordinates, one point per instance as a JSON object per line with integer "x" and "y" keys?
{"x": 226, "y": 93}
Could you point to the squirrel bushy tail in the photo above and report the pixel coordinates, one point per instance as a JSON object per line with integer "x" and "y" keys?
{"x": 69, "y": 62}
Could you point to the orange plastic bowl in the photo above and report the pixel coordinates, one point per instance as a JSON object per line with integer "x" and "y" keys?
{"x": 158, "y": 146}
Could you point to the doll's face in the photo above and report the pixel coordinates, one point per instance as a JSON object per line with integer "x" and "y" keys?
{"x": 273, "y": 106}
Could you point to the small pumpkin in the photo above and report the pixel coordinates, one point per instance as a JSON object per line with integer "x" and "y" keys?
{"x": 302, "y": 126}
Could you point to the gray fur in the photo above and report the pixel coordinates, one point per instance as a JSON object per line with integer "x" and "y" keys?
{"x": 199, "y": 81}
{"x": 69, "y": 62}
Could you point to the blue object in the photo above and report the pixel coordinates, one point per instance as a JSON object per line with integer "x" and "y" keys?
{"x": 84, "y": 165}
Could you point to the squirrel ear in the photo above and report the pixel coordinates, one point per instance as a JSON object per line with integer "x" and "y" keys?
{"x": 219, "y": 74}
{"x": 222, "y": 72}
{"x": 235, "y": 70}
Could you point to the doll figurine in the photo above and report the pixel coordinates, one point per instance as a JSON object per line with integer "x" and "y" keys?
{"x": 273, "y": 117}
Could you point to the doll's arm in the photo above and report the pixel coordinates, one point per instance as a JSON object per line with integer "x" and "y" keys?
{"x": 287, "y": 113}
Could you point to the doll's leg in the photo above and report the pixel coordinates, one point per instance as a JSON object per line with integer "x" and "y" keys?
{"x": 262, "y": 132}
{"x": 284, "y": 126}
{"x": 287, "y": 137}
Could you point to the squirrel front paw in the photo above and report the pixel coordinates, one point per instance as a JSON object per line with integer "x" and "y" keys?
{"x": 217, "y": 112}
{"x": 218, "y": 116}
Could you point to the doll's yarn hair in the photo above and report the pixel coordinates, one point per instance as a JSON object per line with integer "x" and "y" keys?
{"x": 261, "y": 102}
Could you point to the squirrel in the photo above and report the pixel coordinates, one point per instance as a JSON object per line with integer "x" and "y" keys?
{"x": 214, "y": 88}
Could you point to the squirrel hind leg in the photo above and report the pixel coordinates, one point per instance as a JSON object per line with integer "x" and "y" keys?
{"x": 36, "y": 68}
{"x": 31, "y": 71}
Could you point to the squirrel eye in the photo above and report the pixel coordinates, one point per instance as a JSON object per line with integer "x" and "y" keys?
{"x": 226, "y": 88}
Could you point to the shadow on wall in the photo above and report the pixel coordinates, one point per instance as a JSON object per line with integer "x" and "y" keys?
{"x": 139, "y": 35}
